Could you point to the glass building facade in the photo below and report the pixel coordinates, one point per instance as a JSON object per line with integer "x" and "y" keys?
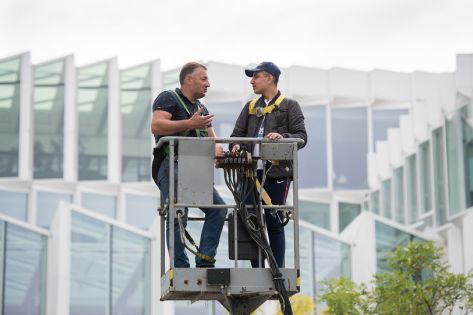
{"x": 48, "y": 107}
{"x": 110, "y": 269}
{"x": 349, "y": 139}
{"x": 10, "y": 80}
{"x": 24, "y": 261}
{"x": 92, "y": 107}
{"x": 75, "y": 187}
{"x": 135, "y": 98}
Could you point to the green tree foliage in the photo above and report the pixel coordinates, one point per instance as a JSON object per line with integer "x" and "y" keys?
{"x": 419, "y": 282}
{"x": 343, "y": 296}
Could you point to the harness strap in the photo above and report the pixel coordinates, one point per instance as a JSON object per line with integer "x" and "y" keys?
{"x": 185, "y": 133}
{"x": 252, "y": 110}
{"x": 264, "y": 194}
{"x": 197, "y": 253}
{"x": 199, "y": 132}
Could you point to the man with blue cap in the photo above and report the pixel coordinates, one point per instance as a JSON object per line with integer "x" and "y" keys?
{"x": 272, "y": 116}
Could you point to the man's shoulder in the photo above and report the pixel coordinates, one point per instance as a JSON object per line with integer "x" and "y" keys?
{"x": 289, "y": 102}
{"x": 289, "y": 99}
{"x": 164, "y": 100}
{"x": 256, "y": 100}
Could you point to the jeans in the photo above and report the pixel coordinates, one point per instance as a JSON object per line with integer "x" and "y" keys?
{"x": 211, "y": 231}
{"x": 277, "y": 190}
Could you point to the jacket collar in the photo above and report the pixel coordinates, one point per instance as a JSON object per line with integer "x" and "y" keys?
{"x": 261, "y": 102}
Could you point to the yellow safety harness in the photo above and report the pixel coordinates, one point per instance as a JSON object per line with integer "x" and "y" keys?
{"x": 260, "y": 111}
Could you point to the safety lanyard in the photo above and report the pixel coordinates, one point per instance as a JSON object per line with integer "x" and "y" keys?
{"x": 181, "y": 102}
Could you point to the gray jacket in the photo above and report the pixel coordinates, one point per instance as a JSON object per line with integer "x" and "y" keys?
{"x": 287, "y": 120}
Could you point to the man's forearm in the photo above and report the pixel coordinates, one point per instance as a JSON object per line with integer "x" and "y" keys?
{"x": 165, "y": 127}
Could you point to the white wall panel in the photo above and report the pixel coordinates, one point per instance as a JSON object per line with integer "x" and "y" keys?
{"x": 362, "y": 235}
{"x": 464, "y": 74}
{"x": 406, "y": 127}
{"x": 70, "y": 120}
{"x": 114, "y": 123}
{"x": 308, "y": 85}
{"x": 25, "y": 149}
{"x": 227, "y": 83}
{"x": 390, "y": 86}
{"x": 468, "y": 243}
{"x": 349, "y": 85}
{"x": 394, "y": 144}
{"x": 382, "y": 152}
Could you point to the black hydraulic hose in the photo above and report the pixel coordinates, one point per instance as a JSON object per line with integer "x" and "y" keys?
{"x": 240, "y": 178}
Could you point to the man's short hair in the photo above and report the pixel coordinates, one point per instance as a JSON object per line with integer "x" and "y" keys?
{"x": 189, "y": 68}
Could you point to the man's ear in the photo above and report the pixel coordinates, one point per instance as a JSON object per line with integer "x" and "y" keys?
{"x": 188, "y": 79}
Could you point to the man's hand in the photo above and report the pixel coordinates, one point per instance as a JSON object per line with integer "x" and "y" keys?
{"x": 200, "y": 122}
{"x": 218, "y": 152}
{"x": 218, "y": 149}
{"x": 235, "y": 148}
{"x": 273, "y": 136}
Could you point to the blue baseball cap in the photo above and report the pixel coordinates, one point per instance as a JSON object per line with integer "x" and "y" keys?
{"x": 267, "y": 66}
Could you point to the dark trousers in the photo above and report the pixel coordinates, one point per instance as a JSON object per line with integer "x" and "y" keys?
{"x": 277, "y": 190}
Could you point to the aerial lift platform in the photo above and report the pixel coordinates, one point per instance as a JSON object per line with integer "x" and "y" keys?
{"x": 239, "y": 290}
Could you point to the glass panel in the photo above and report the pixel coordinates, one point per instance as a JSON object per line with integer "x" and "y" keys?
{"x": 136, "y": 119}
{"x": 411, "y": 188}
{"x": 48, "y": 105}
{"x": 141, "y": 211}
{"x": 425, "y": 177}
{"x": 315, "y": 212}
{"x": 289, "y": 255}
{"x": 14, "y": 204}
{"x": 386, "y": 194}
{"x": 313, "y": 158}
{"x": 347, "y": 212}
{"x": 439, "y": 177}
{"x": 25, "y": 272}
{"x": 46, "y": 206}
{"x": 103, "y": 204}
{"x": 467, "y": 139}
{"x": 171, "y": 79}
{"x": 387, "y": 240}
{"x": 383, "y": 120}
{"x": 374, "y": 202}
{"x": 349, "y": 139}
{"x": 93, "y": 121}
{"x": 399, "y": 208}
{"x": 131, "y": 273}
{"x": 9, "y": 116}
{"x": 454, "y": 163}
{"x": 306, "y": 252}
{"x": 2, "y": 255}
{"x": 90, "y": 266}
{"x": 332, "y": 260}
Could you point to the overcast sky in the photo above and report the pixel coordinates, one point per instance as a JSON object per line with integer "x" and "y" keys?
{"x": 399, "y": 35}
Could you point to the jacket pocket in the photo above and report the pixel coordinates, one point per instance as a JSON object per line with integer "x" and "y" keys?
{"x": 281, "y": 117}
